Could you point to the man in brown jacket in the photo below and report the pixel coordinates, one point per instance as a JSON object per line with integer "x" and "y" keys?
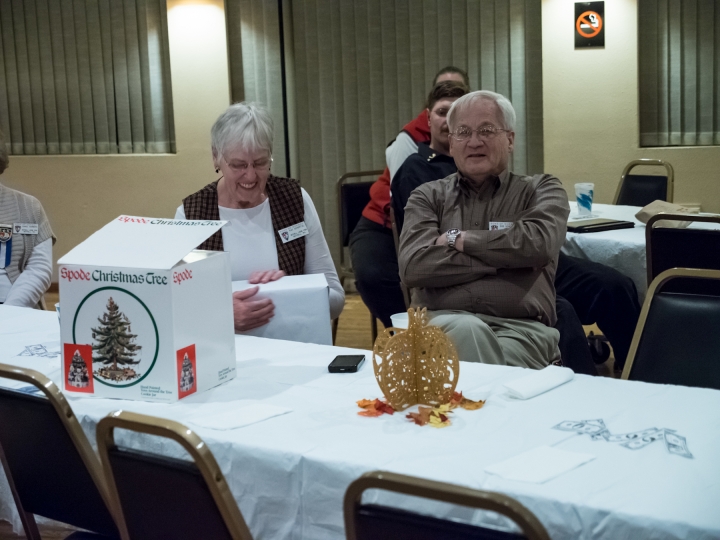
{"x": 480, "y": 247}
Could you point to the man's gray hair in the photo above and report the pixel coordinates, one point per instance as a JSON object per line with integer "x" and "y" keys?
{"x": 507, "y": 112}
{"x": 244, "y": 125}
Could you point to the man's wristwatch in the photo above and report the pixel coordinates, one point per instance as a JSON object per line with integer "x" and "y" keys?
{"x": 452, "y": 235}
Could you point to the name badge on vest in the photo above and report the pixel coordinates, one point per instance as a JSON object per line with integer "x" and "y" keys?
{"x": 500, "y": 225}
{"x": 25, "y": 228}
{"x": 293, "y": 232}
{"x": 5, "y": 245}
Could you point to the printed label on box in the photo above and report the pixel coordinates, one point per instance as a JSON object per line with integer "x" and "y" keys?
{"x": 78, "y": 371}
{"x": 187, "y": 371}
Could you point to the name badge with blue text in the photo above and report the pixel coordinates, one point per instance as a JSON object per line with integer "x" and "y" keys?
{"x": 500, "y": 225}
{"x": 25, "y": 228}
{"x": 293, "y": 232}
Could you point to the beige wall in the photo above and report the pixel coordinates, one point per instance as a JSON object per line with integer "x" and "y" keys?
{"x": 82, "y": 193}
{"x": 591, "y": 110}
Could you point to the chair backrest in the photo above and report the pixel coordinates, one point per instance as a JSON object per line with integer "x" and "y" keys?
{"x": 641, "y": 190}
{"x": 50, "y": 463}
{"x": 677, "y": 339}
{"x": 668, "y": 247}
{"x": 396, "y": 239}
{"x": 352, "y": 198}
{"x": 158, "y": 497}
{"x": 370, "y": 521}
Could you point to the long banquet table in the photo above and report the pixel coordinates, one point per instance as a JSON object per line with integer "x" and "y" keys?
{"x": 289, "y": 473}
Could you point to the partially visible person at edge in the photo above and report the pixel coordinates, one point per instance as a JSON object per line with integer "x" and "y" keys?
{"x": 26, "y": 241}
{"x": 432, "y": 161}
{"x": 480, "y": 248}
{"x": 258, "y": 205}
{"x": 372, "y": 248}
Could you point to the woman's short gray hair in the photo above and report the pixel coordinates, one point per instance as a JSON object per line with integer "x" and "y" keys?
{"x": 461, "y": 104}
{"x": 244, "y": 125}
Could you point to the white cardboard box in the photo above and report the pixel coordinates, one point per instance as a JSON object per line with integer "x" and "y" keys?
{"x": 144, "y": 315}
{"x": 302, "y": 309}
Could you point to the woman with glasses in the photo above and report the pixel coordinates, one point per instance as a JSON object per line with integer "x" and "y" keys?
{"x": 273, "y": 230}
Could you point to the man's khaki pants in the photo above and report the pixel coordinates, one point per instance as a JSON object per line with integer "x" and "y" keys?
{"x": 495, "y": 340}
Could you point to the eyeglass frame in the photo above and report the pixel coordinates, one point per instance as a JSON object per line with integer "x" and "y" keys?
{"x": 490, "y": 133}
{"x": 256, "y": 168}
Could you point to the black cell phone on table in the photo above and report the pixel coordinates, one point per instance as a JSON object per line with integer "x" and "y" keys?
{"x": 346, "y": 363}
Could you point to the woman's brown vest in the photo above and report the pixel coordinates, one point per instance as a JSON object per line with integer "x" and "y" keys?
{"x": 286, "y": 209}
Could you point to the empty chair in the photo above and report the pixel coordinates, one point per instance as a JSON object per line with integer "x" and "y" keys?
{"x": 160, "y": 497}
{"x": 377, "y": 522}
{"x": 352, "y": 198}
{"x": 51, "y": 467}
{"x": 677, "y": 339}
{"x": 641, "y": 190}
{"x": 668, "y": 247}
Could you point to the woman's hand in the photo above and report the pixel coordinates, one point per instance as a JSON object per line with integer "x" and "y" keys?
{"x": 265, "y": 276}
{"x": 248, "y": 313}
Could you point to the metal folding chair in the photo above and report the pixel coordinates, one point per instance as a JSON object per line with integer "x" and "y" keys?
{"x": 677, "y": 340}
{"x": 377, "y": 522}
{"x": 50, "y": 465}
{"x": 352, "y": 198}
{"x": 158, "y": 497}
{"x": 641, "y": 190}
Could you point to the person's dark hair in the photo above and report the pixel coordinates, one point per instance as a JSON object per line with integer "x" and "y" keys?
{"x": 4, "y": 160}
{"x": 452, "y": 69}
{"x": 445, "y": 89}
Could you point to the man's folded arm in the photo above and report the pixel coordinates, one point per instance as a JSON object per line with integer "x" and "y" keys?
{"x": 422, "y": 263}
{"x": 534, "y": 239}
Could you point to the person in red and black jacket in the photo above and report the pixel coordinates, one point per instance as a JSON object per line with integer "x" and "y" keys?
{"x": 372, "y": 248}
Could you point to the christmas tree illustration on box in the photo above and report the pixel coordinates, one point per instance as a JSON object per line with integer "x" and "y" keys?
{"x": 187, "y": 378}
{"x": 78, "y": 375}
{"x": 115, "y": 345}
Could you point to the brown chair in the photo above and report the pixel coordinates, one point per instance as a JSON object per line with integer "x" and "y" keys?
{"x": 158, "y": 497}
{"x": 377, "y": 522}
{"x": 50, "y": 465}
{"x": 677, "y": 340}
{"x": 641, "y": 190}
{"x": 668, "y": 247}
{"x": 352, "y": 198}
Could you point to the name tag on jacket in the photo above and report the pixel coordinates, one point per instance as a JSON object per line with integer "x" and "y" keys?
{"x": 500, "y": 225}
{"x": 293, "y": 232}
{"x": 25, "y": 228}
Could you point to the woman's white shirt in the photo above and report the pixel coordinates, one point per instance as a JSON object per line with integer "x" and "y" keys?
{"x": 250, "y": 231}
{"x": 34, "y": 280}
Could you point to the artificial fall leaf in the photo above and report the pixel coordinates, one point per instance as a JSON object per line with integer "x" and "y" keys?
{"x": 374, "y": 407}
{"x": 468, "y": 404}
{"x": 422, "y": 417}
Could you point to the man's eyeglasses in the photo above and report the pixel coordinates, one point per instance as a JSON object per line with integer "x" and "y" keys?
{"x": 484, "y": 133}
{"x": 241, "y": 167}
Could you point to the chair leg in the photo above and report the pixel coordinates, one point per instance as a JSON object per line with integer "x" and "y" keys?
{"x": 334, "y": 328}
{"x": 373, "y": 328}
{"x": 27, "y": 519}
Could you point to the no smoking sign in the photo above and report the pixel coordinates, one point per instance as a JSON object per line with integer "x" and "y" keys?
{"x": 589, "y": 24}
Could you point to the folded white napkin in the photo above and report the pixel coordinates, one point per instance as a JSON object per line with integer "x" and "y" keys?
{"x": 539, "y": 381}
{"x": 234, "y": 414}
{"x": 539, "y": 464}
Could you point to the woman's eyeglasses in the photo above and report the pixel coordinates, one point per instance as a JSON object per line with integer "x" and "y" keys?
{"x": 241, "y": 167}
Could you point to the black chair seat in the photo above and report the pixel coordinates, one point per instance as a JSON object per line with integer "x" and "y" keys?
{"x": 384, "y": 523}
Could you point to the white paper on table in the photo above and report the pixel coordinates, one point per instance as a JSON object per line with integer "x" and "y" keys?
{"x": 233, "y": 415}
{"x": 539, "y": 464}
{"x": 539, "y": 381}
{"x": 302, "y": 309}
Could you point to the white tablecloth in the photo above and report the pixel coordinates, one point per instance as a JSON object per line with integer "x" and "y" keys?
{"x": 289, "y": 473}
